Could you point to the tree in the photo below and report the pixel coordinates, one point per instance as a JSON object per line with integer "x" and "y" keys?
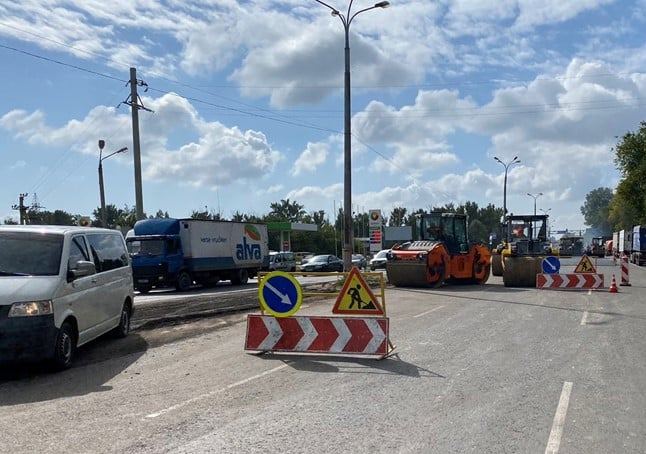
{"x": 161, "y": 215}
{"x": 10, "y": 221}
{"x": 478, "y": 231}
{"x": 57, "y": 217}
{"x": 596, "y": 209}
{"x": 124, "y": 218}
{"x": 397, "y": 217}
{"x": 206, "y": 215}
{"x": 628, "y": 206}
{"x": 286, "y": 211}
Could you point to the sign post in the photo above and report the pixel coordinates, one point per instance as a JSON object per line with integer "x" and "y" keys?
{"x": 375, "y": 222}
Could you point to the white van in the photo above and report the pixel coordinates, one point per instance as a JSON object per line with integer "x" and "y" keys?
{"x": 61, "y": 287}
{"x": 282, "y": 261}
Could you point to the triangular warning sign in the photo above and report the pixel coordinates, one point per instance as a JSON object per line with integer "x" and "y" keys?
{"x": 585, "y": 266}
{"x": 356, "y": 297}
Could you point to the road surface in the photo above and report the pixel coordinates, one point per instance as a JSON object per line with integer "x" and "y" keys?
{"x": 478, "y": 370}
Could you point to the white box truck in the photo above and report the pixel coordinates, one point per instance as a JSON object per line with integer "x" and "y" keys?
{"x": 179, "y": 252}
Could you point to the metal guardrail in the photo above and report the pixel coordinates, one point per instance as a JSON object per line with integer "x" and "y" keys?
{"x": 341, "y": 277}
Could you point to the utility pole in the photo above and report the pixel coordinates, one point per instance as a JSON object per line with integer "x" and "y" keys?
{"x": 135, "y": 104}
{"x": 21, "y": 208}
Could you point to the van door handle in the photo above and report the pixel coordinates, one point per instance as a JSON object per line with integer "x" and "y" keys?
{"x": 93, "y": 281}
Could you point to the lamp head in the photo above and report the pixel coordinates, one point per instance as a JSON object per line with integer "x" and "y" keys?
{"x": 101, "y": 144}
{"x": 382, "y": 5}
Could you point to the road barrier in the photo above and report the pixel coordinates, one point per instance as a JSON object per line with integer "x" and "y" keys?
{"x": 569, "y": 281}
{"x": 625, "y": 273}
{"x": 365, "y": 335}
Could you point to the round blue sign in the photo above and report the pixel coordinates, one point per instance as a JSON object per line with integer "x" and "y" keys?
{"x": 551, "y": 265}
{"x": 280, "y": 294}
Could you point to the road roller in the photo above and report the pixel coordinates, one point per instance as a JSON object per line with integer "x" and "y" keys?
{"x": 440, "y": 253}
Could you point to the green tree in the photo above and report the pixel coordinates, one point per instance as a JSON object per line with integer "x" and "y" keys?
{"x": 10, "y": 221}
{"x": 206, "y": 215}
{"x": 116, "y": 217}
{"x": 161, "y": 215}
{"x": 56, "y": 217}
{"x": 287, "y": 211}
{"x": 596, "y": 209}
{"x": 397, "y": 217}
{"x": 628, "y": 206}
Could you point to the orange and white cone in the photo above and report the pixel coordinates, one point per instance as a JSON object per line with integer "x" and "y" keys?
{"x": 613, "y": 285}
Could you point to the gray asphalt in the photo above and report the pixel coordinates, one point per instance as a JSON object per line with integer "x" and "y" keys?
{"x": 477, "y": 369}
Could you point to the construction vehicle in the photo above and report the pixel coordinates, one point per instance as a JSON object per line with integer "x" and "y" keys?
{"x": 439, "y": 253}
{"x": 518, "y": 258}
{"x": 597, "y": 248}
{"x": 571, "y": 245}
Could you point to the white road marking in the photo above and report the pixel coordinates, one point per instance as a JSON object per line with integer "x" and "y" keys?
{"x": 428, "y": 312}
{"x": 217, "y": 391}
{"x": 584, "y": 319}
{"x": 554, "y": 442}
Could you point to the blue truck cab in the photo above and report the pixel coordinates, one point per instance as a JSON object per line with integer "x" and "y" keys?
{"x": 157, "y": 257}
{"x": 638, "y": 249}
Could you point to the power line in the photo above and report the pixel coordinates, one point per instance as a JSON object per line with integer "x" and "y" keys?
{"x": 58, "y": 62}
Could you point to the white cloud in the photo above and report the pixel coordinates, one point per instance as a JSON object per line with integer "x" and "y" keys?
{"x": 311, "y": 158}
{"x": 220, "y": 155}
{"x": 18, "y": 165}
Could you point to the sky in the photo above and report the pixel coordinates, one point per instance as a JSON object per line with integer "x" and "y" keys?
{"x": 247, "y": 102}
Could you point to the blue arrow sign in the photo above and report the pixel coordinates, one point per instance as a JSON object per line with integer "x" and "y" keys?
{"x": 280, "y": 294}
{"x": 551, "y": 265}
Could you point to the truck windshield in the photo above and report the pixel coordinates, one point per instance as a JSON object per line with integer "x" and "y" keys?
{"x": 146, "y": 247}
{"x": 30, "y": 254}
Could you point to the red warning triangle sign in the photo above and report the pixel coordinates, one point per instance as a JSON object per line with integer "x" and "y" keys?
{"x": 356, "y": 297}
{"x": 585, "y": 266}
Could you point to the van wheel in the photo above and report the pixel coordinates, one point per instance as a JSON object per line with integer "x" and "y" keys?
{"x": 184, "y": 281}
{"x": 124, "y": 322}
{"x": 241, "y": 277}
{"x": 64, "y": 347}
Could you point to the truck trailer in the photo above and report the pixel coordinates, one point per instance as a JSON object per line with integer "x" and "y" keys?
{"x": 615, "y": 244}
{"x": 638, "y": 248}
{"x": 178, "y": 252}
{"x": 625, "y": 242}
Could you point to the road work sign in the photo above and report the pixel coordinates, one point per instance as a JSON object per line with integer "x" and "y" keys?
{"x": 585, "y": 266}
{"x": 551, "y": 265}
{"x": 356, "y": 297}
{"x": 280, "y": 294}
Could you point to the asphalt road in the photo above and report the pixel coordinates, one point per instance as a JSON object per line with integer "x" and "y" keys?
{"x": 478, "y": 369}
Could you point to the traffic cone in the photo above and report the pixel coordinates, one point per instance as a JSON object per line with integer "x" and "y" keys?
{"x": 613, "y": 285}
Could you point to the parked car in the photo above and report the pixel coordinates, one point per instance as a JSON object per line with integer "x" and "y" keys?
{"x": 282, "y": 261}
{"x": 323, "y": 263}
{"x": 359, "y": 261}
{"x": 61, "y": 287}
{"x": 379, "y": 260}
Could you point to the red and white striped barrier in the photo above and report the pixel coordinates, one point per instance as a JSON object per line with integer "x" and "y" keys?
{"x": 569, "y": 281}
{"x": 625, "y": 273}
{"x": 303, "y": 334}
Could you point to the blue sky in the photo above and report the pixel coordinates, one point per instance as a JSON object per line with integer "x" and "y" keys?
{"x": 248, "y": 107}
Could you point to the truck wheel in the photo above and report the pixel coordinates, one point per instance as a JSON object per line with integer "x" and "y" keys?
{"x": 241, "y": 277}
{"x": 143, "y": 289}
{"x": 184, "y": 281}
{"x": 64, "y": 347}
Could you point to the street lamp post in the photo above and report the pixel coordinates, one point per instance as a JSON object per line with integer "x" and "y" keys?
{"x": 506, "y": 166}
{"x": 104, "y": 217}
{"x": 535, "y": 196}
{"x": 348, "y": 234}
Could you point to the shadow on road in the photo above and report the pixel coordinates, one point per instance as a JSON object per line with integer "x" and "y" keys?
{"x": 95, "y": 365}
{"x": 392, "y": 365}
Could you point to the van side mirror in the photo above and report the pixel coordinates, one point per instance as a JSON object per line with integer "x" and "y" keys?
{"x": 81, "y": 269}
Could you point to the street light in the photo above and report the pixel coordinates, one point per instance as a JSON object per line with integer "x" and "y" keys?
{"x": 535, "y": 196}
{"x": 506, "y": 166}
{"x": 104, "y": 217}
{"x": 348, "y": 234}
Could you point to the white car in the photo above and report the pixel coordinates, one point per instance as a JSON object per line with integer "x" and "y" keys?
{"x": 61, "y": 287}
{"x": 379, "y": 260}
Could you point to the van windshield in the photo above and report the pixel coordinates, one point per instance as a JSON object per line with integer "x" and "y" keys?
{"x": 30, "y": 254}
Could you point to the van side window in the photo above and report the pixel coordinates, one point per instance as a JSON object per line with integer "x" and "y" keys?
{"x": 108, "y": 251}
{"x": 78, "y": 252}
